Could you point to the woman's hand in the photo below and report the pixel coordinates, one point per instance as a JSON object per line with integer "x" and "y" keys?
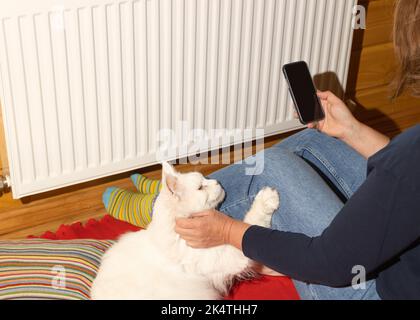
{"x": 339, "y": 122}
{"x": 205, "y": 229}
{"x": 211, "y": 229}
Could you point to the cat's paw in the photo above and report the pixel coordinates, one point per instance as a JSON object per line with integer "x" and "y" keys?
{"x": 265, "y": 203}
{"x": 268, "y": 200}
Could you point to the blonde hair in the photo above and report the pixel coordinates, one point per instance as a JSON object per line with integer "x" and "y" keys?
{"x": 407, "y": 46}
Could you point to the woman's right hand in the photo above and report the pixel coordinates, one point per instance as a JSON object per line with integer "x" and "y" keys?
{"x": 339, "y": 122}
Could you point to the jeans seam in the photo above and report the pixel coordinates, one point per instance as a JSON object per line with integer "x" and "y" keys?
{"x": 373, "y": 283}
{"x": 314, "y": 294}
{"x": 233, "y": 204}
{"x": 237, "y": 202}
{"x": 330, "y": 169}
{"x": 367, "y": 290}
{"x": 302, "y": 144}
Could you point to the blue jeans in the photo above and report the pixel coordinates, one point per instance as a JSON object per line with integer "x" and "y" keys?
{"x": 314, "y": 175}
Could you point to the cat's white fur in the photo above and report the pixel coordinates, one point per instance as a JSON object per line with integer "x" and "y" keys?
{"x": 157, "y": 264}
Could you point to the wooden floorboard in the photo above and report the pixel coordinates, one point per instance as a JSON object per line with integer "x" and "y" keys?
{"x": 391, "y": 117}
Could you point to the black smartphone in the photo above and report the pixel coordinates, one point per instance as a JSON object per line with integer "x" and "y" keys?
{"x": 303, "y": 91}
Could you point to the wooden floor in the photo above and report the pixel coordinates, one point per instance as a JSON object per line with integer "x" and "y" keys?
{"x": 372, "y": 64}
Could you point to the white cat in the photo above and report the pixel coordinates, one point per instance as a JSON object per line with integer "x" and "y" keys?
{"x": 157, "y": 264}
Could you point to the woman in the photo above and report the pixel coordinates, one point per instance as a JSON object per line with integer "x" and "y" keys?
{"x": 350, "y": 199}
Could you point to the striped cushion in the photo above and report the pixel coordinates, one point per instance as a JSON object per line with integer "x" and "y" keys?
{"x": 45, "y": 269}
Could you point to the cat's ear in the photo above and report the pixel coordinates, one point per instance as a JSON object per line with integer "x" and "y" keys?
{"x": 167, "y": 169}
{"x": 171, "y": 183}
{"x": 169, "y": 178}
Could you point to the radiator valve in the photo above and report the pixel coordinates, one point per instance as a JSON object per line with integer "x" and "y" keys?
{"x": 4, "y": 184}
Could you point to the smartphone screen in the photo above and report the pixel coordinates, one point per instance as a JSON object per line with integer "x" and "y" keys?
{"x": 303, "y": 92}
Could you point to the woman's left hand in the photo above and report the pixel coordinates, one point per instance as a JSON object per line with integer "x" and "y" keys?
{"x": 205, "y": 229}
{"x": 213, "y": 228}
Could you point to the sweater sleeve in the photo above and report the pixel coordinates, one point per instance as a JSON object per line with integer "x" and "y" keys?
{"x": 379, "y": 222}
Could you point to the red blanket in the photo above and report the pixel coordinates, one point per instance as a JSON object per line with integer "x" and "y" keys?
{"x": 264, "y": 288}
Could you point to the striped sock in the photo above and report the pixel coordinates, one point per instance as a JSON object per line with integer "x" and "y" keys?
{"x": 145, "y": 185}
{"x": 132, "y": 207}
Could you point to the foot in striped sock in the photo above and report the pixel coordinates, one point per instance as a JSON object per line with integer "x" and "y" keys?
{"x": 146, "y": 185}
{"x": 132, "y": 207}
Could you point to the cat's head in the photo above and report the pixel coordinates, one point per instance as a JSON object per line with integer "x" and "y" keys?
{"x": 189, "y": 192}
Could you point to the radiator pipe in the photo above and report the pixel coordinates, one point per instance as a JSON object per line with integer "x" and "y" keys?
{"x": 4, "y": 184}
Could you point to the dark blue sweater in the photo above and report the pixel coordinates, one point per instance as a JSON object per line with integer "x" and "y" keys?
{"x": 378, "y": 228}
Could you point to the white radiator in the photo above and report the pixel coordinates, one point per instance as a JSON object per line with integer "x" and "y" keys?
{"x": 87, "y": 84}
